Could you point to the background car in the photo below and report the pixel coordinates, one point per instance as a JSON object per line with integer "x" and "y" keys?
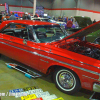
{"x": 82, "y": 22}
{"x": 62, "y": 24}
{"x": 40, "y": 19}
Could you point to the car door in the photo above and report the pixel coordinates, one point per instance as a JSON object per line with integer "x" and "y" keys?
{"x": 20, "y": 48}
{"x": 34, "y": 49}
{"x": 5, "y": 40}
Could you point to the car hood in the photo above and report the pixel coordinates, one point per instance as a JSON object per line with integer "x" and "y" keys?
{"x": 83, "y": 32}
{"x": 83, "y": 21}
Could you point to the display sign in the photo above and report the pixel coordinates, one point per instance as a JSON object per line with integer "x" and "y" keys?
{"x": 25, "y": 93}
{"x": 29, "y": 97}
{"x": 37, "y": 99}
{"x": 59, "y": 98}
{"x": 16, "y": 90}
{"x": 22, "y": 89}
{"x": 19, "y": 94}
{"x": 50, "y": 97}
{"x": 7, "y": 8}
{"x": 36, "y": 91}
{"x": 29, "y": 88}
{"x": 40, "y": 11}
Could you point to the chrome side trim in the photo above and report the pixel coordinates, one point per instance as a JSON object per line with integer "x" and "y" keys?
{"x": 96, "y": 87}
{"x": 44, "y": 61}
{"x": 96, "y": 73}
{"x": 90, "y": 77}
{"x": 35, "y": 53}
{"x": 56, "y": 55}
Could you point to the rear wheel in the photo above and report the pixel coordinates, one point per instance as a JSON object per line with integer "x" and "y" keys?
{"x": 67, "y": 81}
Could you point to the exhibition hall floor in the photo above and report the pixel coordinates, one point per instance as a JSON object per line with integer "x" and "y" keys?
{"x": 12, "y": 79}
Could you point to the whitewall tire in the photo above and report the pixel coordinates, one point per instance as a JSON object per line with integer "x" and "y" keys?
{"x": 67, "y": 81}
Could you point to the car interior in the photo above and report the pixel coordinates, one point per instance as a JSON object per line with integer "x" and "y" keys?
{"x": 18, "y": 31}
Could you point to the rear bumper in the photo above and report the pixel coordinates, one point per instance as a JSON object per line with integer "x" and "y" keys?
{"x": 96, "y": 87}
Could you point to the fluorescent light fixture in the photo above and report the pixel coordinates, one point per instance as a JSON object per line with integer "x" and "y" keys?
{"x": 45, "y": 14}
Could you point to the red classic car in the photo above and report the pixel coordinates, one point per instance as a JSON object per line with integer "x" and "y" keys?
{"x": 73, "y": 61}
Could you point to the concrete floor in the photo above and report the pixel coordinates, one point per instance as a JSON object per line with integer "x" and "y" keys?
{"x": 11, "y": 79}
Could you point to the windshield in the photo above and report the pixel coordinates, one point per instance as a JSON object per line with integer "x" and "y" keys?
{"x": 49, "y": 33}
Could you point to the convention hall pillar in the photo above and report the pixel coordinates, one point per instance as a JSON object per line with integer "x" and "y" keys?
{"x": 34, "y": 7}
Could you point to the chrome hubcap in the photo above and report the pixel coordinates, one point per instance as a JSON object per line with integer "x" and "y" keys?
{"x": 66, "y": 80}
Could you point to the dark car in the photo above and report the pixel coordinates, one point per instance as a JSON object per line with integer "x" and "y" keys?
{"x": 82, "y": 22}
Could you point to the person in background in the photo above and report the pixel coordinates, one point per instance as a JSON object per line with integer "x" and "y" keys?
{"x": 64, "y": 18}
{"x": 12, "y": 17}
{"x": 16, "y": 15}
{"x": 94, "y": 21}
{"x": 35, "y": 15}
{"x": 26, "y": 16}
{"x": 60, "y": 19}
{"x": 53, "y": 17}
{"x": 69, "y": 24}
{"x": 56, "y": 18}
{"x": 67, "y": 19}
{"x": 71, "y": 18}
{"x": 0, "y": 16}
{"x": 40, "y": 16}
{"x": 7, "y": 16}
{"x": 73, "y": 26}
{"x": 49, "y": 16}
{"x": 76, "y": 24}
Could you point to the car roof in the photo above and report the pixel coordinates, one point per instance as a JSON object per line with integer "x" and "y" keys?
{"x": 28, "y": 22}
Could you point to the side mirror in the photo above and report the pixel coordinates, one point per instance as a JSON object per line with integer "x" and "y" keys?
{"x": 25, "y": 41}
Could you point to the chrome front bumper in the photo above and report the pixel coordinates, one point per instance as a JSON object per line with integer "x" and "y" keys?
{"x": 96, "y": 87}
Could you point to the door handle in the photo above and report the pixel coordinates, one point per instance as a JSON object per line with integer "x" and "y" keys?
{"x": 25, "y": 41}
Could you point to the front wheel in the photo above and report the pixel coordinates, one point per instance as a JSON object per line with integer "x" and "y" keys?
{"x": 67, "y": 81}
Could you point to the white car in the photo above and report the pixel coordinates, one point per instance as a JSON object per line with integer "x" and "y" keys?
{"x": 40, "y": 19}
{"x": 62, "y": 24}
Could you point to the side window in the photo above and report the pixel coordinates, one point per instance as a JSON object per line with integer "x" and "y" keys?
{"x": 19, "y": 30}
{"x": 9, "y": 30}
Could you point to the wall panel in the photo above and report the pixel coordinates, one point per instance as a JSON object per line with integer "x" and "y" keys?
{"x": 86, "y": 4}
{"x": 25, "y": 5}
{"x": 64, "y": 4}
{"x": 44, "y": 3}
{"x": 66, "y": 13}
{"x": 59, "y": 7}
